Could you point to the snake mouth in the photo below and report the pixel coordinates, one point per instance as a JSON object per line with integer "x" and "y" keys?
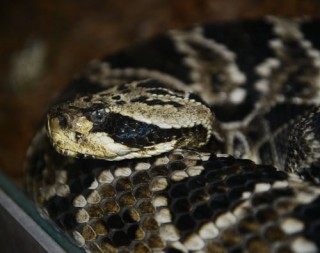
{"x": 98, "y": 145}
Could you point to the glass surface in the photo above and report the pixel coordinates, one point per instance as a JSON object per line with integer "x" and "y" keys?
{"x": 25, "y": 208}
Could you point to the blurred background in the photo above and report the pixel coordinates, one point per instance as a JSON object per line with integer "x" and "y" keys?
{"x": 44, "y": 43}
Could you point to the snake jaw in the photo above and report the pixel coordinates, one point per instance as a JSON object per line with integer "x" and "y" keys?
{"x": 70, "y": 142}
{"x": 77, "y": 141}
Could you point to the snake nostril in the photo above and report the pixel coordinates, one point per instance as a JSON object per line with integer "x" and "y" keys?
{"x": 63, "y": 122}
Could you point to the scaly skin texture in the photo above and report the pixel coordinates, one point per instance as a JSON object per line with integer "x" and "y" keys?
{"x": 135, "y": 162}
{"x": 132, "y": 120}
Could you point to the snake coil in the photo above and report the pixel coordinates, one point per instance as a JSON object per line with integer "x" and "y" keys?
{"x": 201, "y": 140}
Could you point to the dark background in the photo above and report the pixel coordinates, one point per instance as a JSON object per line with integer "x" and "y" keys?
{"x": 43, "y": 43}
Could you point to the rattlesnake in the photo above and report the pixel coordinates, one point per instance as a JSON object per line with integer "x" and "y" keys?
{"x": 200, "y": 140}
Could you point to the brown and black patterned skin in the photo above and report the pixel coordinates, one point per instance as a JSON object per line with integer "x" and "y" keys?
{"x": 252, "y": 188}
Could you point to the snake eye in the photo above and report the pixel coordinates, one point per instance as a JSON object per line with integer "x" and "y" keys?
{"x": 98, "y": 116}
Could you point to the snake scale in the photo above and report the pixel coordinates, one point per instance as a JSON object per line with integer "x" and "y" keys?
{"x": 200, "y": 140}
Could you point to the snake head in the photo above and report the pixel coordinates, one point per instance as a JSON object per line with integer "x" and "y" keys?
{"x": 138, "y": 119}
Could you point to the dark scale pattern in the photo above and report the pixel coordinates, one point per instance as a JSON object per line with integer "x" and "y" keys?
{"x": 230, "y": 113}
{"x": 311, "y": 215}
{"x": 125, "y": 214}
{"x": 284, "y": 122}
{"x": 298, "y": 81}
{"x": 124, "y": 219}
{"x": 178, "y": 202}
{"x": 284, "y": 112}
{"x": 309, "y": 29}
{"x": 159, "y": 54}
{"x": 215, "y": 63}
{"x": 248, "y": 40}
{"x": 154, "y": 102}
{"x": 158, "y": 92}
{"x": 204, "y": 197}
{"x": 305, "y": 145}
{"x": 156, "y": 87}
{"x": 134, "y": 133}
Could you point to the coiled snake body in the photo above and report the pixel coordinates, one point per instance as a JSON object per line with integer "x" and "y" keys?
{"x": 131, "y": 160}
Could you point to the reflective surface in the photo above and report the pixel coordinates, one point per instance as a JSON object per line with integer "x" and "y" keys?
{"x": 22, "y": 228}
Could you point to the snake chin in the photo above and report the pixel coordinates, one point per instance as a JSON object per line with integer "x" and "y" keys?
{"x": 98, "y": 145}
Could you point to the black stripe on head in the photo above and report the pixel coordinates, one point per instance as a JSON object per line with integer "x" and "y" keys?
{"x": 159, "y": 92}
{"x": 133, "y": 133}
{"x": 163, "y": 103}
{"x": 165, "y": 92}
{"x": 153, "y": 102}
{"x": 141, "y": 99}
{"x": 154, "y": 87}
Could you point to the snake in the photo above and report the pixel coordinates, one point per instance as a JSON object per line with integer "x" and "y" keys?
{"x": 205, "y": 139}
